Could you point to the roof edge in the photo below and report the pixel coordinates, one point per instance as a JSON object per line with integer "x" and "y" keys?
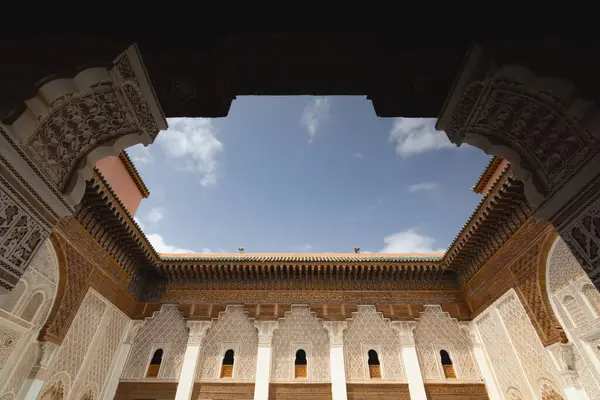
{"x": 135, "y": 175}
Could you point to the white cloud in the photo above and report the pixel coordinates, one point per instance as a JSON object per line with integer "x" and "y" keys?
{"x": 423, "y": 187}
{"x": 417, "y": 135}
{"x": 357, "y": 155}
{"x": 193, "y": 143}
{"x": 302, "y": 247}
{"x": 140, "y": 224}
{"x": 160, "y": 246}
{"x": 155, "y": 215}
{"x": 410, "y": 241}
{"x": 314, "y": 113}
{"x": 140, "y": 154}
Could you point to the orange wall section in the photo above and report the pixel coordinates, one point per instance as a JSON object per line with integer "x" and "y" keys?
{"x": 121, "y": 182}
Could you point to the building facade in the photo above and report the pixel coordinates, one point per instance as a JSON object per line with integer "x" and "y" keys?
{"x": 89, "y": 310}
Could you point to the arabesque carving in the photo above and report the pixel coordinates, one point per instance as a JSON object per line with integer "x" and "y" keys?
{"x": 72, "y": 123}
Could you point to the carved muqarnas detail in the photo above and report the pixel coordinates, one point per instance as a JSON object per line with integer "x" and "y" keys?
{"x": 536, "y": 123}
{"x": 20, "y": 236}
{"x": 78, "y": 124}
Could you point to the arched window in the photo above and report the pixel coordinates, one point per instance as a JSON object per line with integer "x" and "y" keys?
{"x": 593, "y": 298}
{"x": 447, "y": 364}
{"x": 32, "y": 307}
{"x": 300, "y": 365}
{"x": 574, "y": 311}
{"x": 227, "y": 366}
{"x": 374, "y": 365}
{"x": 154, "y": 366}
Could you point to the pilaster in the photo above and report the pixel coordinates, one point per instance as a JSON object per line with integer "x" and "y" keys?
{"x": 190, "y": 359}
{"x": 481, "y": 358}
{"x": 337, "y": 365}
{"x": 39, "y": 372}
{"x": 412, "y": 368}
{"x": 563, "y": 359}
{"x": 263, "y": 358}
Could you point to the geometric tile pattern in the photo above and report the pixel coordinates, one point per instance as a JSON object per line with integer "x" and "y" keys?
{"x": 435, "y": 329}
{"x": 96, "y": 371}
{"x": 300, "y": 325}
{"x": 232, "y": 328}
{"x": 503, "y": 360}
{"x": 368, "y": 328}
{"x": 72, "y": 351}
{"x": 527, "y": 343}
{"x": 167, "y": 330}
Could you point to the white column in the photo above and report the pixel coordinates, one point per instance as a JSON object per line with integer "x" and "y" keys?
{"x": 190, "y": 359}
{"x": 33, "y": 385}
{"x": 563, "y": 358}
{"x": 110, "y": 388}
{"x": 482, "y": 361}
{"x": 412, "y": 368}
{"x": 263, "y": 358}
{"x": 337, "y": 366}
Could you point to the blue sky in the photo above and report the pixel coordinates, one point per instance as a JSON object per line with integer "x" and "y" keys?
{"x": 305, "y": 174}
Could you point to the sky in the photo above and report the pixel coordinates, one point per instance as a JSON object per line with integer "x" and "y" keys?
{"x": 304, "y": 174}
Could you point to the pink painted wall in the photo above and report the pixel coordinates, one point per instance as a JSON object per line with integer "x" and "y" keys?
{"x": 121, "y": 182}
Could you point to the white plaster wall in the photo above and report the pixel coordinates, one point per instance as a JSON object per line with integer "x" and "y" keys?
{"x": 436, "y": 331}
{"x": 166, "y": 330}
{"x": 579, "y": 318}
{"x": 368, "y": 329}
{"x": 18, "y": 344}
{"x": 300, "y": 329}
{"x": 232, "y": 330}
{"x": 520, "y": 363}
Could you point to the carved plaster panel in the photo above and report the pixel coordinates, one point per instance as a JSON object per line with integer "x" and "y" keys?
{"x": 166, "y": 329}
{"x": 21, "y": 233}
{"x": 72, "y": 123}
{"x": 434, "y": 330}
{"x": 233, "y": 328}
{"x": 368, "y": 329}
{"x": 300, "y": 326}
{"x": 70, "y": 357}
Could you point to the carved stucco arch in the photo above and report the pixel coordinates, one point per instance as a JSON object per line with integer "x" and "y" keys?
{"x": 60, "y": 289}
{"x": 59, "y": 380}
{"x": 72, "y": 123}
{"x": 537, "y": 123}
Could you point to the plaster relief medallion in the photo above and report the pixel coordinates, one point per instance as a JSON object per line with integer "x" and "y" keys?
{"x": 183, "y": 89}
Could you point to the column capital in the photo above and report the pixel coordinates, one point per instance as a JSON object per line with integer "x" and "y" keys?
{"x": 470, "y": 329}
{"x": 133, "y": 331}
{"x": 563, "y": 357}
{"x": 335, "y": 329}
{"x": 265, "y": 332}
{"x": 45, "y": 355}
{"x": 197, "y": 331}
{"x": 405, "y": 330}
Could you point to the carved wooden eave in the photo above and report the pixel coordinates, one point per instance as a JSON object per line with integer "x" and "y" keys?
{"x": 135, "y": 175}
{"x": 487, "y": 174}
{"x": 497, "y": 217}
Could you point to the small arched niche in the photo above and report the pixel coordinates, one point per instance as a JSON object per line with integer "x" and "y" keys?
{"x": 374, "y": 364}
{"x": 447, "y": 364}
{"x": 33, "y": 306}
{"x": 155, "y": 363}
{"x": 300, "y": 364}
{"x": 227, "y": 365}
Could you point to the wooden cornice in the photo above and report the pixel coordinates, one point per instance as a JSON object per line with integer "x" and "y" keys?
{"x": 496, "y": 218}
{"x": 135, "y": 175}
{"x": 487, "y": 174}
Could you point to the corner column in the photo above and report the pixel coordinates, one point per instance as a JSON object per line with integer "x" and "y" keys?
{"x": 412, "y": 368}
{"x": 190, "y": 359}
{"x": 337, "y": 367}
{"x": 37, "y": 377}
{"x": 482, "y": 361}
{"x": 119, "y": 363}
{"x": 563, "y": 358}
{"x": 263, "y": 358}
